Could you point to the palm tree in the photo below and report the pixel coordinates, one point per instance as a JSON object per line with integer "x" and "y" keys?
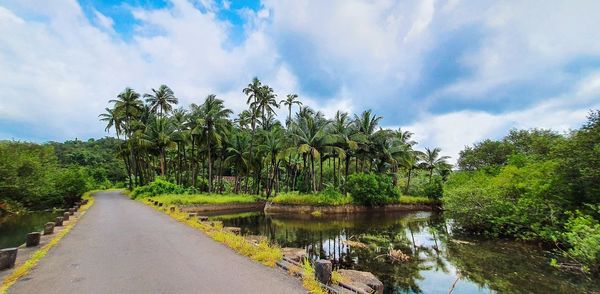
{"x": 237, "y": 156}
{"x": 311, "y": 135}
{"x": 290, "y": 100}
{"x": 159, "y": 133}
{"x": 265, "y": 101}
{"x": 253, "y": 90}
{"x": 348, "y": 138}
{"x": 411, "y": 162}
{"x": 162, "y": 100}
{"x": 432, "y": 160}
{"x": 112, "y": 120}
{"x": 214, "y": 120}
{"x": 272, "y": 144}
{"x": 367, "y": 124}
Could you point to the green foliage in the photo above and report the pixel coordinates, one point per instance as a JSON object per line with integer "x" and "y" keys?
{"x": 371, "y": 189}
{"x": 434, "y": 189}
{"x": 158, "y": 187}
{"x": 205, "y": 199}
{"x": 71, "y": 183}
{"x": 582, "y": 234}
{"x": 327, "y": 197}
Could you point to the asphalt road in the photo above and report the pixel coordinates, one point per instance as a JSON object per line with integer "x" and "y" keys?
{"x": 122, "y": 246}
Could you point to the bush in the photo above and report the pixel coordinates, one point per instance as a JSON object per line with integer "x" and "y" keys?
{"x": 582, "y": 234}
{"x": 434, "y": 189}
{"x": 71, "y": 184}
{"x": 158, "y": 187}
{"x": 371, "y": 189}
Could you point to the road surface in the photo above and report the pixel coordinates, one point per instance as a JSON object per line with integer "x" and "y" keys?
{"x": 122, "y": 246}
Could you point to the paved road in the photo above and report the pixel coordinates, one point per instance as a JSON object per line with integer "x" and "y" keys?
{"x": 122, "y": 246}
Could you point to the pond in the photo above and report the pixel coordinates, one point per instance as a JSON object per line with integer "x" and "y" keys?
{"x": 14, "y": 228}
{"x": 438, "y": 259}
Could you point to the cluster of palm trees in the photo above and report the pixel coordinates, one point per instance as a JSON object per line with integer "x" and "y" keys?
{"x": 306, "y": 153}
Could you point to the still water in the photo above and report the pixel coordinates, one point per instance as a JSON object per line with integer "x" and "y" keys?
{"x": 438, "y": 259}
{"x": 14, "y": 228}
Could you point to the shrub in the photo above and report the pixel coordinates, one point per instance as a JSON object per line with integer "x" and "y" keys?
{"x": 371, "y": 189}
{"x": 158, "y": 187}
{"x": 582, "y": 234}
{"x": 434, "y": 189}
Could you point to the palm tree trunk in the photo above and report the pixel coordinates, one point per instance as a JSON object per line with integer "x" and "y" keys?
{"x": 209, "y": 166}
{"x": 408, "y": 180}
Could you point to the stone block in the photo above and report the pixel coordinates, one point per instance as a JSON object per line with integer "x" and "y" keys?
{"x": 323, "y": 269}
{"x": 33, "y": 239}
{"x": 8, "y": 256}
{"x": 66, "y": 216}
{"x": 58, "y": 221}
{"x": 49, "y": 228}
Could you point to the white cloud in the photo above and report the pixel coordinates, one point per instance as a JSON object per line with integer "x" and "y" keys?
{"x": 58, "y": 69}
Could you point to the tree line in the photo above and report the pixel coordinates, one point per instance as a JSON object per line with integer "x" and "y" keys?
{"x": 197, "y": 146}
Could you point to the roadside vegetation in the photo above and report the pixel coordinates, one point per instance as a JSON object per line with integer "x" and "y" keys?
{"x": 41, "y": 176}
{"x": 534, "y": 185}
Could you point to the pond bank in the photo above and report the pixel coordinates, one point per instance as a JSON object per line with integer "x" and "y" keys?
{"x": 340, "y": 209}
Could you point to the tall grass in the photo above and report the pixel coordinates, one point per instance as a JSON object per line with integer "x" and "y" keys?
{"x": 205, "y": 199}
{"x": 311, "y": 199}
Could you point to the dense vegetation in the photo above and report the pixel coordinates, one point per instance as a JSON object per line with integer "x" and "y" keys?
{"x": 40, "y": 176}
{"x": 534, "y": 185}
{"x": 204, "y": 149}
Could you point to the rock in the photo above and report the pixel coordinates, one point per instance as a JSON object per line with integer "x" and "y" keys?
{"x": 48, "y": 228}
{"x": 8, "y": 256}
{"x": 58, "y": 221}
{"x": 234, "y": 230}
{"x": 295, "y": 254}
{"x": 66, "y": 216}
{"x": 323, "y": 269}
{"x": 365, "y": 281}
{"x": 33, "y": 239}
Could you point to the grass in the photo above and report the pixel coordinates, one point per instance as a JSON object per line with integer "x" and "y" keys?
{"x": 205, "y": 199}
{"x": 308, "y": 279}
{"x": 264, "y": 252}
{"x": 414, "y": 200}
{"x": 311, "y": 199}
{"x": 40, "y": 253}
{"x": 323, "y": 200}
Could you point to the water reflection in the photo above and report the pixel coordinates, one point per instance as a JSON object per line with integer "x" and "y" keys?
{"x": 14, "y": 228}
{"x": 437, "y": 259}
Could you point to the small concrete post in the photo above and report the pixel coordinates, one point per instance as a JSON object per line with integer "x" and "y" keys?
{"x": 160, "y": 204}
{"x": 172, "y": 209}
{"x": 33, "y": 239}
{"x": 71, "y": 211}
{"x": 323, "y": 269}
{"x": 58, "y": 221}
{"x": 192, "y": 215}
{"x": 203, "y": 218}
{"x": 66, "y": 216}
{"x": 8, "y": 256}
{"x": 48, "y": 228}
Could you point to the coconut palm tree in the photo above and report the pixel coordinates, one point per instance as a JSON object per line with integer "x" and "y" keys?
{"x": 432, "y": 160}
{"x": 265, "y": 102}
{"x": 162, "y": 100}
{"x": 367, "y": 124}
{"x": 214, "y": 121}
{"x": 159, "y": 133}
{"x": 112, "y": 120}
{"x": 290, "y": 100}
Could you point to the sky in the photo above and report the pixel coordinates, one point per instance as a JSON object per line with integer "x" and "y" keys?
{"x": 453, "y": 72}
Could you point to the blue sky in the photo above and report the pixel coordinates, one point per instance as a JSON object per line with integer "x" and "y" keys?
{"x": 454, "y": 72}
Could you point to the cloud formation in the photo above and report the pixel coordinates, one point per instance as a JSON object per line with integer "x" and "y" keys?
{"x": 454, "y": 72}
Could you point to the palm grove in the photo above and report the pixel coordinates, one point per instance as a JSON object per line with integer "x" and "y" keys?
{"x": 196, "y": 147}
